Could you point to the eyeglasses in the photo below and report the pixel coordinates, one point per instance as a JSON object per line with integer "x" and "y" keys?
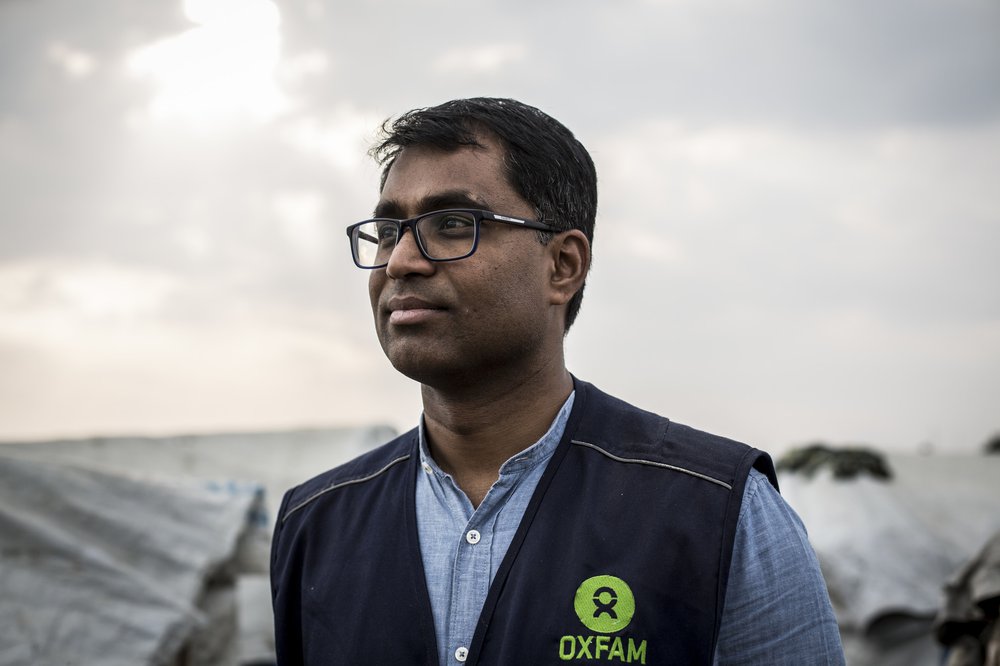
{"x": 443, "y": 235}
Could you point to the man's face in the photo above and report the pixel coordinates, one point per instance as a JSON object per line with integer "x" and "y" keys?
{"x": 447, "y": 322}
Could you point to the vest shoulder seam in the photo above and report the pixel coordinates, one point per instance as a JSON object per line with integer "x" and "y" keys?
{"x": 341, "y": 484}
{"x": 653, "y": 463}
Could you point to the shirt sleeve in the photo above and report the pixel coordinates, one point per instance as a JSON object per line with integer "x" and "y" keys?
{"x": 777, "y": 609}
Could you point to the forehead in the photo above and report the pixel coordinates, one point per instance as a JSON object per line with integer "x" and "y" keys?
{"x": 424, "y": 178}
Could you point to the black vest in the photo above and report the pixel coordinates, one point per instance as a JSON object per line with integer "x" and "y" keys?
{"x": 622, "y": 555}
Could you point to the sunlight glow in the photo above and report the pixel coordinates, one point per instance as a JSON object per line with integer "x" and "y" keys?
{"x": 218, "y": 72}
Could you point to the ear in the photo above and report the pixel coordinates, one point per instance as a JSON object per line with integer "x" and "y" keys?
{"x": 569, "y": 252}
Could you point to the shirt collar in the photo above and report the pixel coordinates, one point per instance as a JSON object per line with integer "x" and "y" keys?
{"x": 536, "y": 454}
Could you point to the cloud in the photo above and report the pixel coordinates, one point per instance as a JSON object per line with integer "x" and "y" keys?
{"x": 303, "y": 66}
{"x": 47, "y": 298}
{"x": 837, "y": 283}
{"x": 90, "y": 348}
{"x": 75, "y": 62}
{"x": 795, "y": 236}
{"x": 220, "y": 71}
{"x": 479, "y": 58}
{"x": 847, "y": 214}
{"x": 340, "y": 137}
{"x": 301, "y": 215}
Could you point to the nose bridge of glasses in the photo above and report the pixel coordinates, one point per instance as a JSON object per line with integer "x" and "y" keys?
{"x": 410, "y": 225}
{"x": 402, "y": 226}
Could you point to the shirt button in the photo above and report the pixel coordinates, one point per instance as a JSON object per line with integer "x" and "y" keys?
{"x": 461, "y": 654}
{"x": 427, "y": 467}
{"x": 473, "y": 537}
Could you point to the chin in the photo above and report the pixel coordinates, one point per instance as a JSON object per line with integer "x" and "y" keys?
{"x": 418, "y": 362}
{"x": 434, "y": 371}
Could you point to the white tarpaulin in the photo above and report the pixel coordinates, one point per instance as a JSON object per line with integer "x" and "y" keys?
{"x": 100, "y": 568}
{"x": 887, "y": 548}
{"x": 109, "y": 567}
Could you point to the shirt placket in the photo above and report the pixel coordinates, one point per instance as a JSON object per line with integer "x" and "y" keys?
{"x": 472, "y": 573}
{"x": 479, "y": 538}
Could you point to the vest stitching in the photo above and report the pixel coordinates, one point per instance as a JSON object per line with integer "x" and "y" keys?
{"x": 341, "y": 485}
{"x": 654, "y": 464}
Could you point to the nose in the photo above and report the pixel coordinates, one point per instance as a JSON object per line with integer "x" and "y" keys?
{"x": 406, "y": 258}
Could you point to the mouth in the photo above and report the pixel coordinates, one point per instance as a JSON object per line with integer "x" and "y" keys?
{"x": 409, "y": 310}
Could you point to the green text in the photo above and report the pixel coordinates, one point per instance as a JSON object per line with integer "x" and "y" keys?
{"x": 602, "y": 647}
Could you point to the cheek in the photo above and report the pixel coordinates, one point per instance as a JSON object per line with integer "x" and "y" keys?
{"x": 375, "y": 280}
{"x": 514, "y": 296}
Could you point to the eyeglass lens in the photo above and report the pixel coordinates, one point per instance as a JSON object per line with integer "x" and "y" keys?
{"x": 442, "y": 236}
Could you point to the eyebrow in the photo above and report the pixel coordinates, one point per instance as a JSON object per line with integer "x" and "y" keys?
{"x": 439, "y": 201}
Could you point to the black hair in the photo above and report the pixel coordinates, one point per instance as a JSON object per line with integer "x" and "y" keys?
{"x": 544, "y": 163}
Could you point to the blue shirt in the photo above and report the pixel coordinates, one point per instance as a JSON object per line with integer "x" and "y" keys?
{"x": 777, "y": 609}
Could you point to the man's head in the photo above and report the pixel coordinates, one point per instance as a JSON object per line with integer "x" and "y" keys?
{"x": 499, "y": 304}
{"x": 542, "y": 160}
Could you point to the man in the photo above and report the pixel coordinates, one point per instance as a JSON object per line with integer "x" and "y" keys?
{"x": 530, "y": 518}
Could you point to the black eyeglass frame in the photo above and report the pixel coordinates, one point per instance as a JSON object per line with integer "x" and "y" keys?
{"x": 401, "y": 225}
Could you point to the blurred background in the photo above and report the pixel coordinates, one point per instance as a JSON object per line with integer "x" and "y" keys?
{"x": 796, "y": 238}
{"x": 796, "y": 243}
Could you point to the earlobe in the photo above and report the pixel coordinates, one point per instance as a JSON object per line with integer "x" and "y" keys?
{"x": 570, "y": 253}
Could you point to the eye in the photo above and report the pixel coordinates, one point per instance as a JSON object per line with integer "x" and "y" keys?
{"x": 386, "y": 232}
{"x": 454, "y": 223}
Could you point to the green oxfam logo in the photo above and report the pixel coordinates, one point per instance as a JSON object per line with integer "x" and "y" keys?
{"x": 604, "y": 604}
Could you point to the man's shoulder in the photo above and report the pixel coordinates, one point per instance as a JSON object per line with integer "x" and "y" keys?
{"x": 630, "y": 432}
{"x": 367, "y": 467}
{"x": 623, "y": 425}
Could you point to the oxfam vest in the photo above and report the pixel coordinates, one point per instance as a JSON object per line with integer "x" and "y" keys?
{"x": 622, "y": 555}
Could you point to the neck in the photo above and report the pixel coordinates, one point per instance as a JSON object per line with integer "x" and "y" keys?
{"x": 473, "y": 430}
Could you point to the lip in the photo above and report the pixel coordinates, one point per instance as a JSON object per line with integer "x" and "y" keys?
{"x": 408, "y": 310}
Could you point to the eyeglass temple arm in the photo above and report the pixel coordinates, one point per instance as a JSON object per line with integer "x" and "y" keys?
{"x": 541, "y": 226}
{"x": 528, "y": 224}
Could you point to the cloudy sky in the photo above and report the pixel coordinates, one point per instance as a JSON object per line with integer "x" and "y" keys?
{"x": 797, "y": 236}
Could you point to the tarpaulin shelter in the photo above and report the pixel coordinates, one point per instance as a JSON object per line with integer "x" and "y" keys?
{"x": 148, "y": 550}
{"x": 888, "y": 547}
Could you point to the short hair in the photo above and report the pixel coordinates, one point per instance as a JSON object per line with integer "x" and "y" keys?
{"x": 544, "y": 163}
